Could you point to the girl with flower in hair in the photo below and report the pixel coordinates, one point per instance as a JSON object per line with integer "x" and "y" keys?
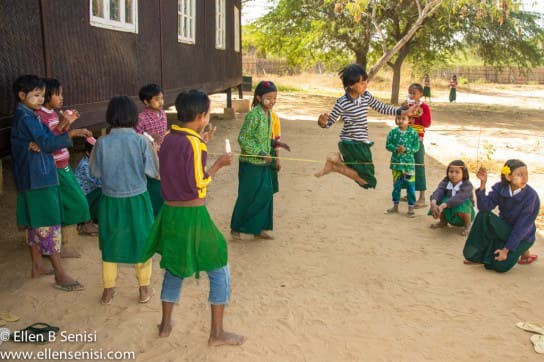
{"x": 499, "y": 242}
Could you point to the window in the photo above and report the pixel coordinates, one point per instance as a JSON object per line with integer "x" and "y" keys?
{"x": 220, "y": 33}
{"x": 119, "y": 15}
{"x": 236, "y": 29}
{"x": 186, "y": 21}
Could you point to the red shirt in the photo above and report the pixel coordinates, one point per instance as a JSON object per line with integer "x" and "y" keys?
{"x": 51, "y": 119}
{"x": 152, "y": 122}
{"x": 423, "y": 121}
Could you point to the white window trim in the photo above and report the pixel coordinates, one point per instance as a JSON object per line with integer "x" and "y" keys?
{"x": 220, "y": 21}
{"x": 192, "y": 16}
{"x": 107, "y": 23}
{"x": 236, "y": 29}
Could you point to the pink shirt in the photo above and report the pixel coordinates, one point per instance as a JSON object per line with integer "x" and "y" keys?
{"x": 51, "y": 119}
{"x": 152, "y": 122}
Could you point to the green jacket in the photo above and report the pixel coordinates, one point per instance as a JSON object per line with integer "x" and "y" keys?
{"x": 410, "y": 140}
{"x": 255, "y": 135}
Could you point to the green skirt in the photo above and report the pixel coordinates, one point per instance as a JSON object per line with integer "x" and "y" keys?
{"x": 489, "y": 233}
{"x": 93, "y": 199}
{"x": 453, "y": 94}
{"x": 125, "y": 224}
{"x": 39, "y": 208}
{"x": 450, "y": 213}
{"x": 188, "y": 241}
{"x": 354, "y": 152}
{"x": 427, "y": 92}
{"x": 75, "y": 208}
{"x": 419, "y": 160}
{"x": 154, "y": 189}
{"x": 253, "y": 211}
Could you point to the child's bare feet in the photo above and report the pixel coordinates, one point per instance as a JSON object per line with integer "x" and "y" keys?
{"x": 439, "y": 225}
{"x": 69, "y": 253}
{"x": 226, "y": 338}
{"x": 326, "y": 169}
{"x": 235, "y": 235}
{"x": 107, "y": 296}
{"x": 466, "y": 230}
{"x": 468, "y": 262}
{"x": 166, "y": 329}
{"x": 145, "y": 294}
{"x": 411, "y": 212}
{"x": 39, "y": 270}
{"x": 263, "y": 235}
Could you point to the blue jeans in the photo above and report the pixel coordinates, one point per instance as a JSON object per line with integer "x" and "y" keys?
{"x": 219, "y": 286}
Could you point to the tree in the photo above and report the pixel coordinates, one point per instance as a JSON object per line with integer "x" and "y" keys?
{"x": 389, "y": 32}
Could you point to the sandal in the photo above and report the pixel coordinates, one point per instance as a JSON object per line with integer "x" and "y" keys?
{"x": 528, "y": 260}
{"x": 90, "y": 229}
{"x": 35, "y": 333}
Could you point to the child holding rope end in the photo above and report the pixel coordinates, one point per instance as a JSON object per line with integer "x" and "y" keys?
{"x": 499, "y": 242}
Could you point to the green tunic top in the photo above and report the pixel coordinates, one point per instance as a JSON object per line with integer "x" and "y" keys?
{"x": 409, "y": 139}
{"x": 255, "y": 135}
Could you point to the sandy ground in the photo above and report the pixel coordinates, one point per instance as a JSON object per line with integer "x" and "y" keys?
{"x": 340, "y": 282}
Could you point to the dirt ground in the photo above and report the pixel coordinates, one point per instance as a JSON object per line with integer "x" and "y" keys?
{"x": 341, "y": 281}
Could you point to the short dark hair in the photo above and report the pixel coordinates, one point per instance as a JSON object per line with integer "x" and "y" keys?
{"x": 351, "y": 74}
{"x": 189, "y": 104}
{"x": 463, "y": 167}
{"x": 417, "y": 86}
{"x": 122, "y": 112}
{"x": 26, "y": 83}
{"x": 149, "y": 91}
{"x": 512, "y": 164}
{"x": 52, "y": 87}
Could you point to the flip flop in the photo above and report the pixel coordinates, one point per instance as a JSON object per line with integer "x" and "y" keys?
{"x": 538, "y": 342}
{"x": 36, "y": 333}
{"x": 109, "y": 301}
{"x": 529, "y": 260}
{"x": 530, "y": 327}
{"x": 9, "y": 317}
{"x": 3, "y": 322}
{"x": 468, "y": 262}
{"x": 148, "y": 298}
{"x": 75, "y": 286}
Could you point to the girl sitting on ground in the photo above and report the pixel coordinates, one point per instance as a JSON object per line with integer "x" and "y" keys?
{"x": 499, "y": 242}
{"x": 452, "y": 201}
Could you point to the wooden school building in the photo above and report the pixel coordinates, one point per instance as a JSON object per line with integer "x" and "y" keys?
{"x": 101, "y": 48}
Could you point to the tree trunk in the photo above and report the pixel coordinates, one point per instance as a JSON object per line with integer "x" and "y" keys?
{"x": 397, "y": 67}
{"x": 360, "y": 58}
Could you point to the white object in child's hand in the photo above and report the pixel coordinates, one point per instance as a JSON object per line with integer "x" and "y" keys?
{"x": 227, "y": 146}
{"x": 91, "y": 140}
{"x": 148, "y": 136}
{"x": 68, "y": 112}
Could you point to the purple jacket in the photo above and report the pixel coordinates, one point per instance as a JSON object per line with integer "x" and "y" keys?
{"x": 518, "y": 211}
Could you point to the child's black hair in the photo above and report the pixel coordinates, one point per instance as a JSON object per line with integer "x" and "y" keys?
{"x": 26, "y": 83}
{"x": 417, "y": 86}
{"x": 121, "y": 112}
{"x": 460, "y": 164}
{"x": 512, "y": 164}
{"x": 52, "y": 87}
{"x": 149, "y": 91}
{"x": 189, "y": 104}
{"x": 352, "y": 74}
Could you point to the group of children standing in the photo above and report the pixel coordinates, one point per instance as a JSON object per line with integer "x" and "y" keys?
{"x": 143, "y": 209}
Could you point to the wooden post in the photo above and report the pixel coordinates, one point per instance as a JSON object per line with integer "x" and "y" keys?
{"x": 1, "y": 177}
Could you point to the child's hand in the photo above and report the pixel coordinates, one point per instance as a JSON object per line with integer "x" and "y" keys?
{"x": 208, "y": 135}
{"x": 80, "y": 132}
{"x": 34, "y": 147}
{"x": 501, "y": 254}
{"x": 225, "y": 160}
{"x": 401, "y": 149}
{"x": 267, "y": 159}
{"x": 278, "y": 164}
{"x": 482, "y": 175}
{"x": 66, "y": 119}
{"x": 322, "y": 120}
{"x": 283, "y": 145}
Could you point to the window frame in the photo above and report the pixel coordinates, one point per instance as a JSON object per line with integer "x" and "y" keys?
{"x": 119, "y": 25}
{"x": 236, "y": 29}
{"x": 220, "y": 25}
{"x": 184, "y": 17}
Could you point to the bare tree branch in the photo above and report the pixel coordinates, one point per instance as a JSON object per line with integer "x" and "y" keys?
{"x": 378, "y": 30}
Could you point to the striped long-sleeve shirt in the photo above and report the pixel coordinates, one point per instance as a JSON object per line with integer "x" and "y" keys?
{"x": 354, "y": 113}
